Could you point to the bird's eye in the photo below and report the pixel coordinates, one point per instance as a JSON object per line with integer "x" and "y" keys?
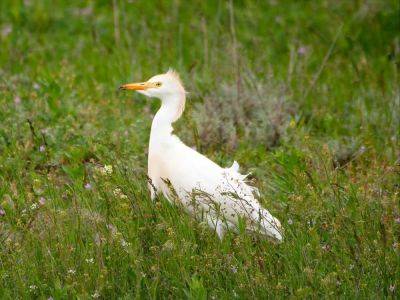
{"x": 158, "y": 84}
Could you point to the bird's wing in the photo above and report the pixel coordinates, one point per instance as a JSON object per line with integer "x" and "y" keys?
{"x": 199, "y": 182}
{"x": 237, "y": 198}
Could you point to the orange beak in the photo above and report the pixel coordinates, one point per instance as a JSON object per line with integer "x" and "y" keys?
{"x": 139, "y": 86}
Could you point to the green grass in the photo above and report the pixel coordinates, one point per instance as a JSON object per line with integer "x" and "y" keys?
{"x": 332, "y": 177}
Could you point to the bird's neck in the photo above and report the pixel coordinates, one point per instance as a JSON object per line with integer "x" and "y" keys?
{"x": 171, "y": 109}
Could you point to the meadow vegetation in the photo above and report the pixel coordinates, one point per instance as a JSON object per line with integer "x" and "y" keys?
{"x": 303, "y": 94}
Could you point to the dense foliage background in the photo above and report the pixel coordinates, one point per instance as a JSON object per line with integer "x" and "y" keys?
{"x": 304, "y": 94}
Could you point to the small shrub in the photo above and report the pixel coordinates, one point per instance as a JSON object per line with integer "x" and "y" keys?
{"x": 258, "y": 112}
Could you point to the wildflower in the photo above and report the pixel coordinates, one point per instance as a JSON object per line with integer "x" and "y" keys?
{"x": 392, "y": 288}
{"x": 395, "y": 245}
{"x": 36, "y": 86}
{"x": 397, "y": 220}
{"x": 88, "y": 186}
{"x": 42, "y": 148}
{"x": 292, "y": 123}
{"x": 2, "y": 212}
{"x": 290, "y": 221}
{"x": 302, "y": 50}
{"x": 42, "y": 201}
{"x": 6, "y": 30}
{"x": 362, "y": 149}
{"x": 234, "y": 269}
{"x": 106, "y": 170}
{"x": 118, "y": 193}
{"x": 17, "y": 100}
{"x": 326, "y": 247}
{"x": 33, "y": 287}
{"x": 71, "y": 271}
{"x": 95, "y": 295}
{"x": 124, "y": 243}
{"x": 89, "y": 260}
{"x": 34, "y": 206}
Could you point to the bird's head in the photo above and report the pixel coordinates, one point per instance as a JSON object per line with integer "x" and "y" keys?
{"x": 159, "y": 86}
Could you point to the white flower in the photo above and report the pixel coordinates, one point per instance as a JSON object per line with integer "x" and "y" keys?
{"x": 125, "y": 245}
{"x": 42, "y": 148}
{"x": 32, "y": 287}
{"x": 88, "y": 186}
{"x": 392, "y": 287}
{"x": 71, "y": 271}
{"x": 395, "y": 245}
{"x": 234, "y": 269}
{"x": 89, "y": 260}
{"x": 96, "y": 295}
{"x": 106, "y": 170}
{"x": 34, "y": 206}
{"x": 290, "y": 221}
{"x": 118, "y": 193}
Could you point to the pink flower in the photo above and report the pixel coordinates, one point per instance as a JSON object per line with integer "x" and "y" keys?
{"x": 2, "y": 212}
{"x": 6, "y": 30}
{"x": 302, "y": 50}
{"x": 42, "y": 201}
{"x": 88, "y": 186}
{"x": 42, "y": 148}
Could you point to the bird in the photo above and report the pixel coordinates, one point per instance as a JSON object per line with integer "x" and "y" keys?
{"x": 220, "y": 197}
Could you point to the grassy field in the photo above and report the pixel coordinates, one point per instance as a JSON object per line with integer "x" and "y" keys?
{"x": 304, "y": 94}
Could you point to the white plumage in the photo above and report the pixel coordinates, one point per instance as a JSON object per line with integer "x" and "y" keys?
{"x": 218, "y": 195}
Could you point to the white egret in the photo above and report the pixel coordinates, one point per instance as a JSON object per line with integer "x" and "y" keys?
{"x": 217, "y": 195}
